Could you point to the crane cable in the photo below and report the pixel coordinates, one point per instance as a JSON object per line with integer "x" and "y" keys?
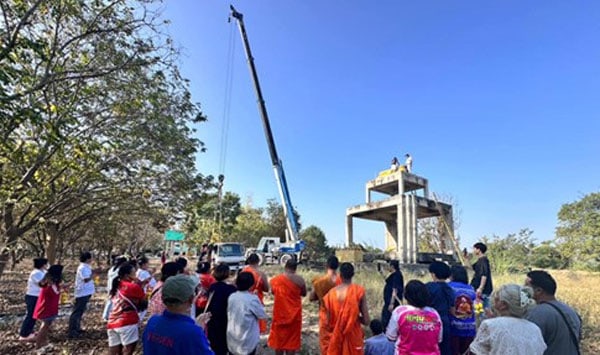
{"x": 225, "y": 127}
{"x": 227, "y": 100}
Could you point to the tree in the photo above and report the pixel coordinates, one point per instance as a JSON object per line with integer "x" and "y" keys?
{"x": 276, "y": 219}
{"x": 548, "y": 256}
{"x": 578, "y": 232}
{"x": 250, "y": 226}
{"x": 316, "y": 243}
{"x": 511, "y": 253}
{"x": 94, "y": 115}
{"x": 430, "y": 229}
{"x": 211, "y": 220}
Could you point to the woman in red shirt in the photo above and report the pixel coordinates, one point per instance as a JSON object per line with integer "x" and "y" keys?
{"x": 128, "y": 299}
{"x": 46, "y": 308}
{"x": 206, "y": 280}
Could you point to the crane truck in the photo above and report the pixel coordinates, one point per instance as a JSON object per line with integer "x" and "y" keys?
{"x": 270, "y": 249}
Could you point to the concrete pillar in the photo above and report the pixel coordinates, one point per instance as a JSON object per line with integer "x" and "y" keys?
{"x": 391, "y": 236}
{"x": 401, "y": 184}
{"x": 426, "y": 189}
{"x": 402, "y": 230}
{"x": 415, "y": 245}
{"x": 409, "y": 229}
{"x": 349, "y": 236}
{"x": 367, "y": 194}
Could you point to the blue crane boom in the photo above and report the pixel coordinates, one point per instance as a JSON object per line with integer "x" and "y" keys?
{"x": 292, "y": 224}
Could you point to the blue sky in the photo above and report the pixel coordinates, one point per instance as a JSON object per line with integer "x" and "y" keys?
{"x": 497, "y": 102}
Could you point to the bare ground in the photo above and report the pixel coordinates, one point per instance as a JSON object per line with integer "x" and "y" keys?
{"x": 12, "y": 310}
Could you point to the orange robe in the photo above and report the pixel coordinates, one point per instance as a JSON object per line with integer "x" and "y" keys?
{"x": 286, "y": 327}
{"x": 257, "y": 289}
{"x": 343, "y": 321}
{"x": 322, "y": 285}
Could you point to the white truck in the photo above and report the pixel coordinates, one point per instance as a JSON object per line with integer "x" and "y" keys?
{"x": 271, "y": 250}
{"x": 231, "y": 254}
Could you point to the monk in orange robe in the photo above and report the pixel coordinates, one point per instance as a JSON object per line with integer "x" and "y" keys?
{"x": 322, "y": 285}
{"x": 346, "y": 308}
{"x": 286, "y": 328}
{"x": 261, "y": 285}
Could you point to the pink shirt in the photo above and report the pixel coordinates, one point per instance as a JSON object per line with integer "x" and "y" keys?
{"x": 417, "y": 331}
{"x": 156, "y": 305}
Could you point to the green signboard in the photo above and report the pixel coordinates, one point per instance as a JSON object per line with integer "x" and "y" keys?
{"x": 174, "y": 236}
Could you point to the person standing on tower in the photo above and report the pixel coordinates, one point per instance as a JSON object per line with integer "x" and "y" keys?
{"x": 394, "y": 165}
{"x": 408, "y": 163}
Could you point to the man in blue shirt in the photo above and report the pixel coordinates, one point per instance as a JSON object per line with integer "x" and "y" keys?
{"x": 462, "y": 319}
{"x": 378, "y": 344}
{"x": 174, "y": 332}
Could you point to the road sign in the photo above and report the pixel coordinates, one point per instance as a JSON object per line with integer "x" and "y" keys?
{"x": 174, "y": 236}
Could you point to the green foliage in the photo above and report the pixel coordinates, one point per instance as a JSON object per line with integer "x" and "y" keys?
{"x": 316, "y": 243}
{"x": 548, "y": 256}
{"x": 250, "y": 227}
{"x": 578, "y": 232}
{"x": 97, "y": 121}
{"x": 276, "y": 220}
{"x": 511, "y": 253}
{"x": 211, "y": 220}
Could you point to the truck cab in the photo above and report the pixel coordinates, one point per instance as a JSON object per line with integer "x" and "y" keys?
{"x": 232, "y": 254}
{"x": 271, "y": 250}
{"x": 268, "y": 244}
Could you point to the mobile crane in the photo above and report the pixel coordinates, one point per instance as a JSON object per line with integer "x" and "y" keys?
{"x": 270, "y": 249}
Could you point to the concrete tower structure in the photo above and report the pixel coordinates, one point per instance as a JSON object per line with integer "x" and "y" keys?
{"x": 406, "y": 200}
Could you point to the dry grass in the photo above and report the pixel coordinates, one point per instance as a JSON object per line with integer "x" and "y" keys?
{"x": 578, "y": 289}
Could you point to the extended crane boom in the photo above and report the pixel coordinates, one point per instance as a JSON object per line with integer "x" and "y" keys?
{"x": 292, "y": 225}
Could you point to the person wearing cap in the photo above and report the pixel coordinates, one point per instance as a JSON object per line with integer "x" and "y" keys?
{"x": 174, "y": 332}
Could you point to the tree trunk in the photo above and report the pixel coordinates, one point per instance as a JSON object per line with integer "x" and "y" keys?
{"x": 10, "y": 242}
{"x": 52, "y": 233}
{"x": 60, "y": 252}
{"x": 16, "y": 258}
{"x": 4, "y": 256}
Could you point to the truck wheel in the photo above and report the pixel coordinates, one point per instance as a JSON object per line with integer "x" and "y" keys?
{"x": 284, "y": 258}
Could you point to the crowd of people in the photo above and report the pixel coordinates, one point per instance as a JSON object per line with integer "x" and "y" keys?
{"x": 206, "y": 312}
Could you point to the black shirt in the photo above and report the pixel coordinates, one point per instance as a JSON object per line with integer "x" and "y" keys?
{"x": 482, "y": 268}
{"x": 394, "y": 281}
{"x": 217, "y": 326}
